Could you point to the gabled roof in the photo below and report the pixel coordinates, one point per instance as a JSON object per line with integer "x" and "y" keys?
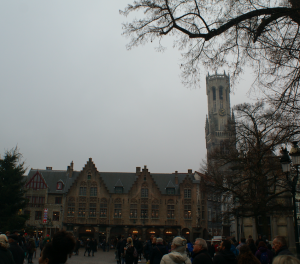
{"x": 119, "y": 183}
{"x": 52, "y": 177}
{"x": 170, "y": 185}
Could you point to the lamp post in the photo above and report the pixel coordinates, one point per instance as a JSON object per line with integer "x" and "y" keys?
{"x": 292, "y": 181}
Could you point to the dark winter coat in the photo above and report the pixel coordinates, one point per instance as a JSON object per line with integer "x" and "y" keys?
{"x": 129, "y": 254}
{"x": 225, "y": 257}
{"x": 262, "y": 250}
{"x": 6, "y": 256}
{"x": 283, "y": 251}
{"x": 138, "y": 245}
{"x": 148, "y": 249}
{"x": 17, "y": 252}
{"x": 157, "y": 253}
{"x": 202, "y": 257}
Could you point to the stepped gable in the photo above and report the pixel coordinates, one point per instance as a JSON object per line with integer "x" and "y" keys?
{"x": 110, "y": 180}
{"x": 52, "y": 177}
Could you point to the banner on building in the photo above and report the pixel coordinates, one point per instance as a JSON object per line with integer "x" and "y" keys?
{"x": 45, "y": 215}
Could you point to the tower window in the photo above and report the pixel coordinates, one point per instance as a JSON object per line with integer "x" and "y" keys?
{"x": 221, "y": 92}
{"x": 214, "y": 93}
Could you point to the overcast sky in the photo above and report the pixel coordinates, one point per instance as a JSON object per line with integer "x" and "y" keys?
{"x": 70, "y": 91}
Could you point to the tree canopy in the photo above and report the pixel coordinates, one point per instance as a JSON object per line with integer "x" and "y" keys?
{"x": 249, "y": 169}
{"x": 12, "y": 190}
{"x": 263, "y": 34}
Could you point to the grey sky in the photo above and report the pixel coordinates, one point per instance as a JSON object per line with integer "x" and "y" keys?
{"x": 70, "y": 90}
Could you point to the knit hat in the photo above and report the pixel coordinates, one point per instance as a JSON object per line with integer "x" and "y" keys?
{"x": 4, "y": 241}
{"x": 179, "y": 242}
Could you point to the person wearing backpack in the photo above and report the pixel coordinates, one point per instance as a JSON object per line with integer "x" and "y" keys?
{"x": 263, "y": 254}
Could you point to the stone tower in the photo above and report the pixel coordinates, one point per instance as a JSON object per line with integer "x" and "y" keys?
{"x": 219, "y": 118}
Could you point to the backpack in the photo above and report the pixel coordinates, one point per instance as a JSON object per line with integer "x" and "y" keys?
{"x": 135, "y": 253}
{"x": 264, "y": 259}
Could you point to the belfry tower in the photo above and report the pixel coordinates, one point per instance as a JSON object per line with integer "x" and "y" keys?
{"x": 219, "y": 118}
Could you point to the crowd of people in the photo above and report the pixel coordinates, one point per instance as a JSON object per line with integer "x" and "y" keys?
{"x": 14, "y": 248}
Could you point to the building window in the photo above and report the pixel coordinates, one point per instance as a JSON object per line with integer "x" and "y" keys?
{"x": 58, "y": 200}
{"x": 55, "y": 216}
{"x": 214, "y": 93}
{"x": 170, "y": 191}
{"x": 155, "y": 210}
{"x": 144, "y": 211}
{"x": 89, "y": 176}
{"x": 92, "y": 210}
{"x": 221, "y": 93}
{"x": 59, "y": 186}
{"x": 171, "y": 212}
{"x": 133, "y": 211}
{"x": 144, "y": 192}
{"x": 82, "y": 191}
{"x": 38, "y": 215}
{"x": 214, "y": 216}
{"x": 103, "y": 208}
{"x": 209, "y": 196}
{"x": 203, "y": 212}
{"x": 81, "y": 210}
{"x": 214, "y": 106}
{"x": 187, "y": 193}
{"x": 118, "y": 211}
{"x": 93, "y": 191}
{"x": 118, "y": 189}
{"x": 209, "y": 214}
{"x": 187, "y": 211}
{"x": 71, "y": 209}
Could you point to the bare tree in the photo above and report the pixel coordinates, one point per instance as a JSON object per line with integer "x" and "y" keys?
{"x": 261, "y": 33}
{"x": 249, "y": 169}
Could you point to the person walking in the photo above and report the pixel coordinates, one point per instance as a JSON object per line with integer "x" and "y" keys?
{"x": 200, "y": 253}
{"x": 178, "y": 253}
{"x": 5, "y": 255}
{"x": 158, "y": 251}
{"x": 87, "y": 247}
{"x": 148, "y": 248}
{"x": 30, "y": 248}
{"x": 225, "y": 256}
{"x": 251, "y": 244}
{"x": 246, "y": 256}
{"x": 128, "y": 251}
{"x": 263, "y": 254}
{"x": 93, "y": 246}
{"x": 16, "y": 251}
{"x": 280, "y": 246}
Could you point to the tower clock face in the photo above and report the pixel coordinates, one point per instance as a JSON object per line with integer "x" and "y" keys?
{"x": 222, "y": 112}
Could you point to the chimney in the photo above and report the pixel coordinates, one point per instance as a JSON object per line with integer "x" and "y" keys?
{"x": 48, "y": 168}
{"x": 145, "y": 168}
{"x": 190, "y": 171}
{"x": 138, "y": 169}
{"x": 176, "y": 178}
{"x": 70, "y": 169}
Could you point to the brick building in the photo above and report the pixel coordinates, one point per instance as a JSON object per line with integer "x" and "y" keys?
{"x": 105, "y": 204}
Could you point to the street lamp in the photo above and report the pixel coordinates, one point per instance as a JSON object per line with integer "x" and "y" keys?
{"x": 292, "y": 181}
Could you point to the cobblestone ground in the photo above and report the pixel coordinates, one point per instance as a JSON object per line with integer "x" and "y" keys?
{"x": 100, "y": 257}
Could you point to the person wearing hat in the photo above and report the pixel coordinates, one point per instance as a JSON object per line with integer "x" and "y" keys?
{"x": 178, "y": 254}
{"x": 158, "y": 251}
{"x": 16, "y": 251}
{"x": 5, "y": 255}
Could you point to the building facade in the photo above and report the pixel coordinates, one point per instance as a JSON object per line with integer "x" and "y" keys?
{"x": 104, "y": 205}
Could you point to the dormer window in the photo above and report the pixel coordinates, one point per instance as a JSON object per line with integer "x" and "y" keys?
{"x": 59, "y": 185}
{"x": 118, "y": 189}
{"x": 170, "y": 191}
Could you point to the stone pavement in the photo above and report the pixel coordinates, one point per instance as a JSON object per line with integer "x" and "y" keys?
{"x": 99, "y": 258}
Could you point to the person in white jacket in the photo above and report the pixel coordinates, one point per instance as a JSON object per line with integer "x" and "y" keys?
{"x": 178, "y": 254}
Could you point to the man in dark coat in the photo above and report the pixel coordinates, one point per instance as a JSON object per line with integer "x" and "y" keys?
{"x": 138, "y": 246}
{"x": 200, "y": 253}
{"x": 77, "y": 246}
{"x": 280, "y": 246}
{"x": 17, "y": 252}
{"x": 158, "y": 251}
{"x": 148, "y": 248}
{"x": 225, "y": 256}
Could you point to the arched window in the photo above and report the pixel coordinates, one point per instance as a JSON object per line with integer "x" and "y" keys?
{"x": 59, "y": 185}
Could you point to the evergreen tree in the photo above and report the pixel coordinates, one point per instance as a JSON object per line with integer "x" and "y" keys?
{"x": 12, "y": 190}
